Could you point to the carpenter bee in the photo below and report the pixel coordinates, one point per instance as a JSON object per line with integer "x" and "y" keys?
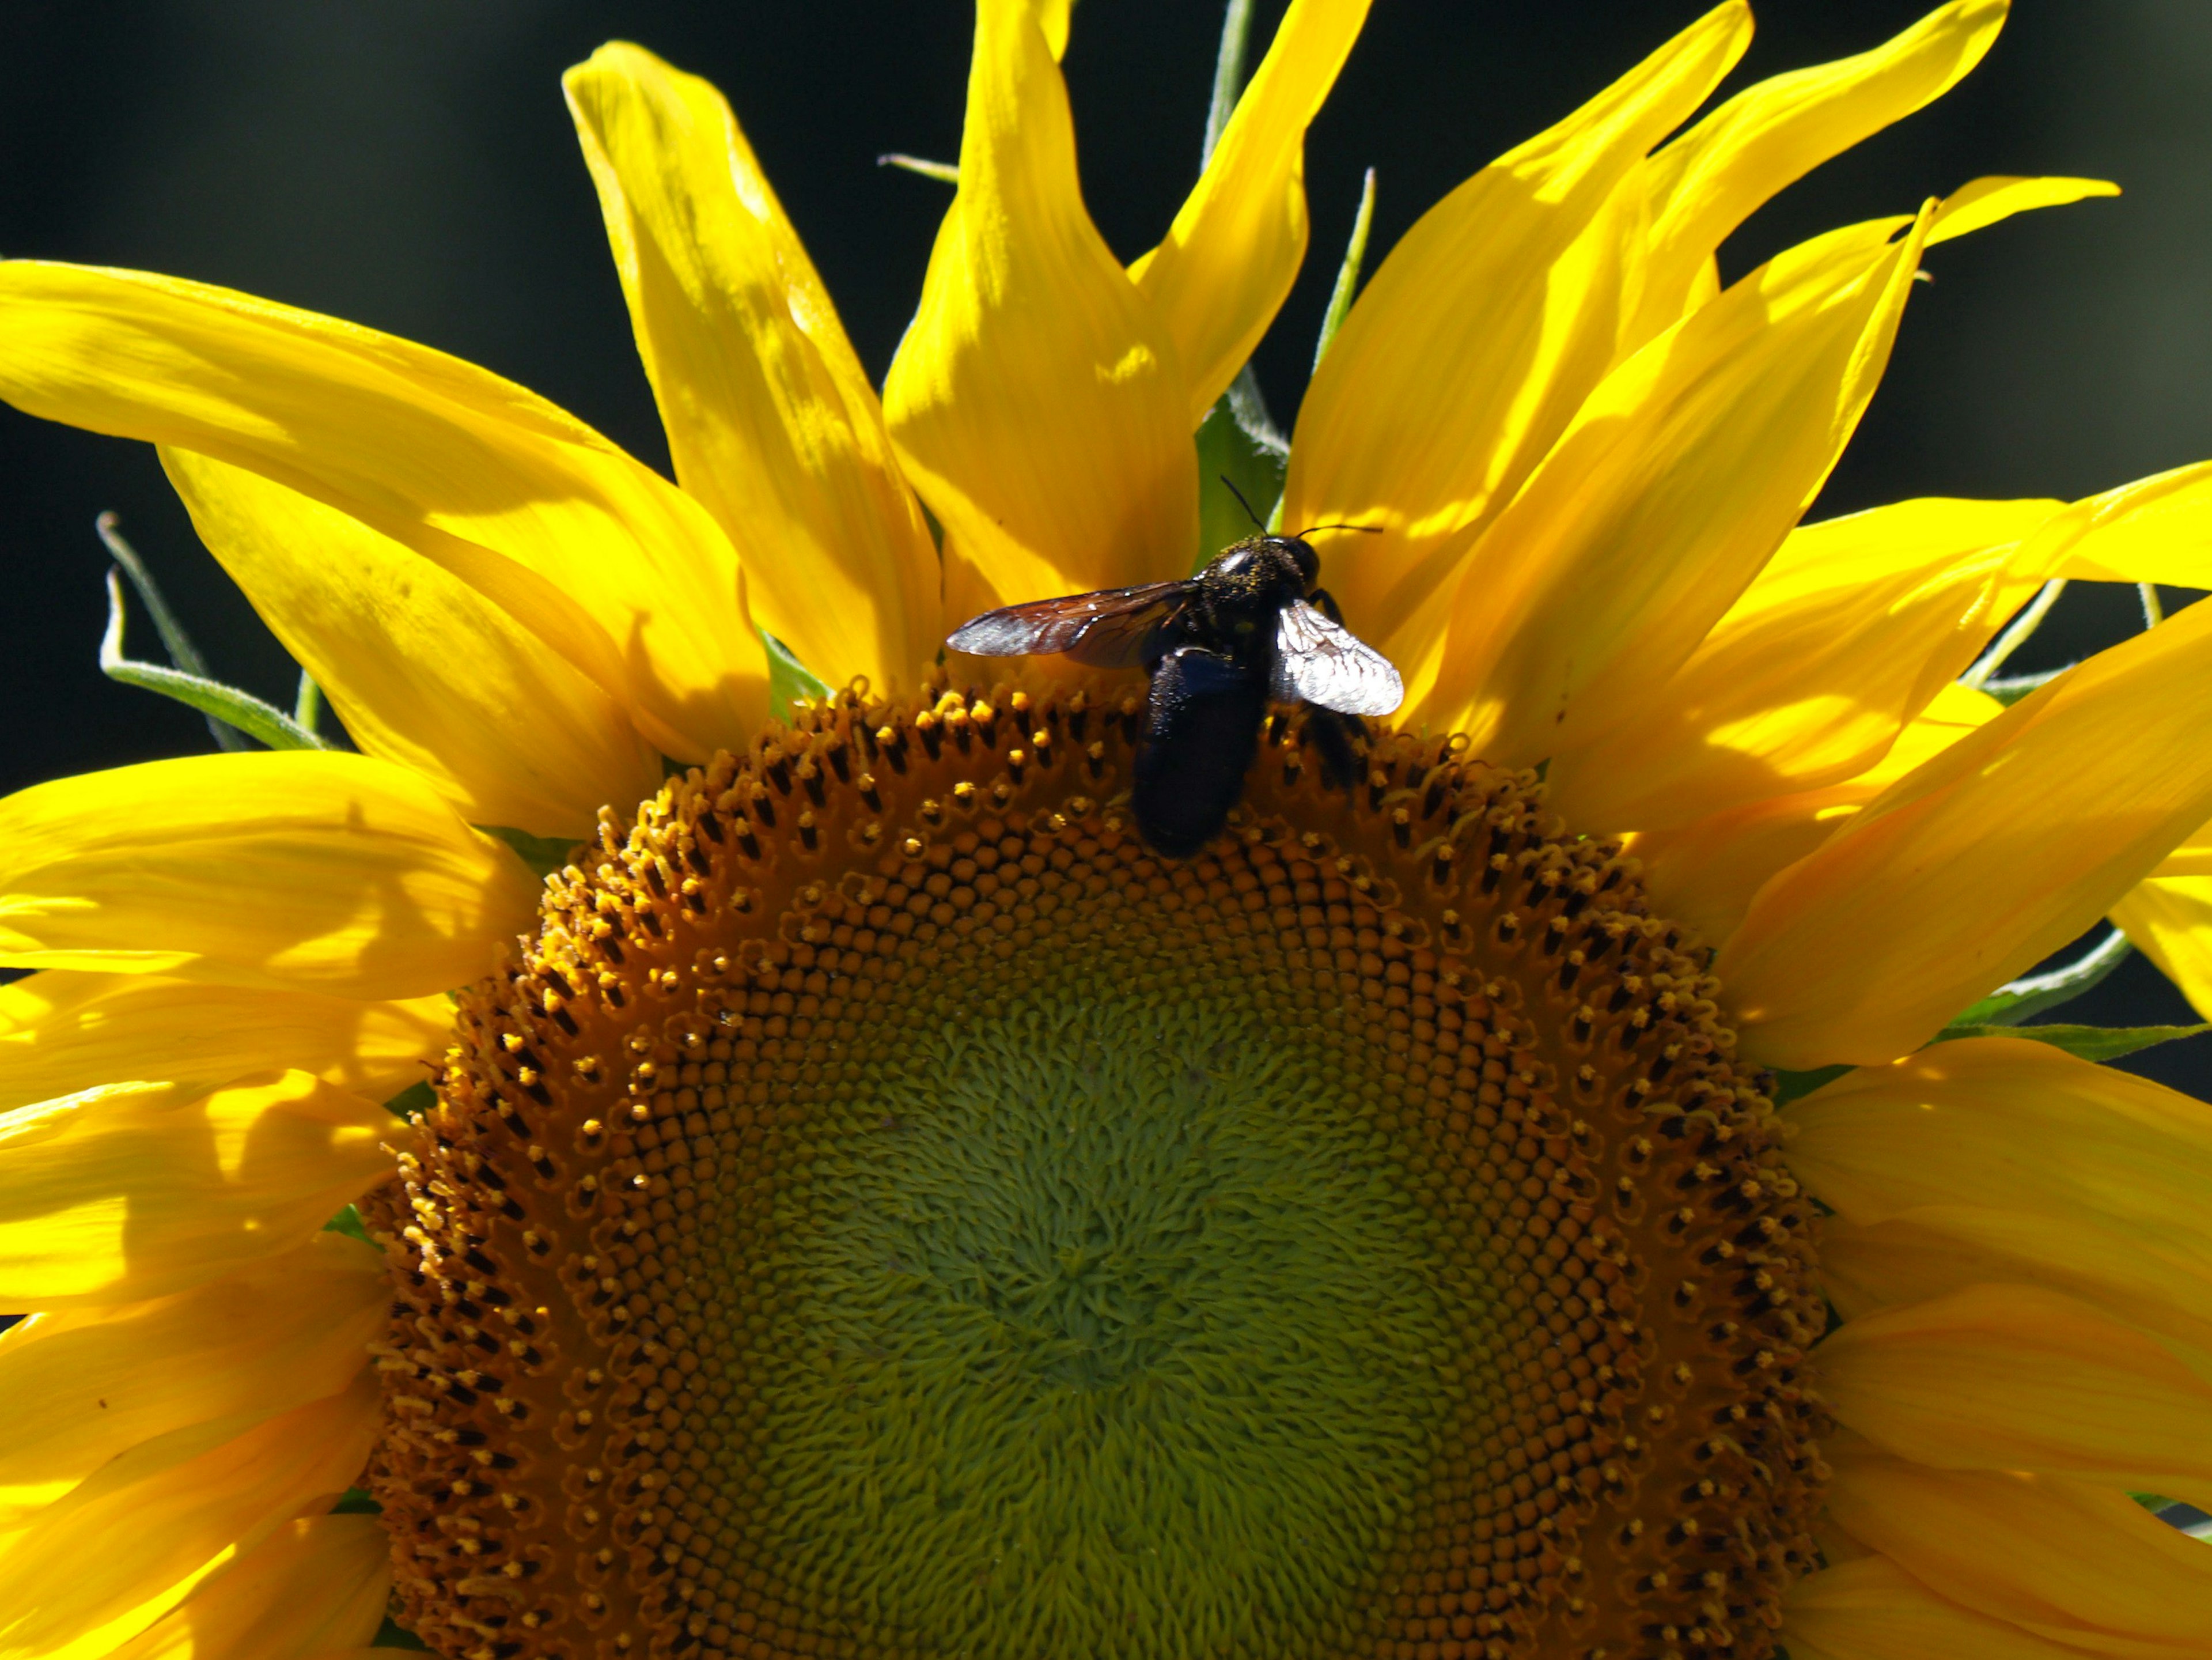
{"x": 1250, "y": 629}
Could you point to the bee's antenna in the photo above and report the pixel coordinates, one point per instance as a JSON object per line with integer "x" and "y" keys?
{"x": 1366, "y": 530}
{"x": 1257, "y": 523}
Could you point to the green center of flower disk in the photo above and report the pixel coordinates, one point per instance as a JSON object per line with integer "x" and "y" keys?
{"x": 1113, "y": 1337}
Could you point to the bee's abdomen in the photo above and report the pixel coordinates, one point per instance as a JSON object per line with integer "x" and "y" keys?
{"x": 1203, "y": 726}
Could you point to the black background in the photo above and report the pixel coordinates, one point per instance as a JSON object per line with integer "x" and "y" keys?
{"x": 409, "y": 164}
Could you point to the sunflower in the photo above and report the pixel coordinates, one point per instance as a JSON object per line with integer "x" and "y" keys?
{"x": 871, "y": 1204}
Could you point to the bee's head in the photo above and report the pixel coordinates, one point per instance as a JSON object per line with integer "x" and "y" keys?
{"x": 1300, "y": 553}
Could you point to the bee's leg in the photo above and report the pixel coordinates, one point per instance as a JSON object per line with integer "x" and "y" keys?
{"x": 1325, "y": 602}
{"x": 1341, "y": 739}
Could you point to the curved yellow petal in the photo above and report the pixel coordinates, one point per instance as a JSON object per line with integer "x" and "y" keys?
{"x": 100, "y": 1566}
{"x": 1706, "y": 182}
{"x": 1471, "y": 347}
{"x": 1676, "y": 483}
{"x": 1982, "y": 202}
{"x": 617, "y": 570}
{"x": 1850, "y": 630}
{"x": 300, "y": 870}
{"x": 1705, "y": 873}
{"x": 62, "y": 1031}
{"x": 2169, "y": 920}
{"x": 316, "y": 1584}
{"x": 136, "y": 1190}
{"x": 771, "y": 420}
{"x": 1981, "y": 861}
{"x": 1234, "y": 250}
{"x": 1037, "y": 400}
{"x": 83, "y": 1387}
{"x": 2014, "y": 1377}
{"x": 1872, "y": 1609}
{"x": 423, "y": 670}
{"x": 2157, "y": 529}
{"x": 2079, "y": 1565}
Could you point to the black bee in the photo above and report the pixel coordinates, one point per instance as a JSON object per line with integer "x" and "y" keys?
{"x": 1250, "y": 629}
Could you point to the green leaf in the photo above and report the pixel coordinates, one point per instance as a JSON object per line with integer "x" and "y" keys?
{"x": 1347, "y": 274}
{"x": 544, "y": 854}
{"x": 1228, "y": 75}
{"x": 2016, "y": 1000}
{"x": 415, "y": 1099}
{"x": 1796, "y": 1085}
{"x": 790, "y": 682}
{"x": 2088, "y": 1043}
{"x": 1226, "y": 450}
{"x": 234, "y": 708}
{"x": 348, "y": 1221}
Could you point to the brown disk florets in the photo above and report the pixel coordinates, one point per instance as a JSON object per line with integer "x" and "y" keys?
{"x": 632, "y": 1318}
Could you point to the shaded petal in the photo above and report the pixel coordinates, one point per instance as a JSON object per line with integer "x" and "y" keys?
{"x": 1037, "y": 401}
{"x": 2169, "y": 920}
{"x": 1471, "y": 347}
{"x": 423, "y": 670}
{"x": 1850, "y": 630}
{"x": 1677, "y": 482}
{"x": 98, "y": 1567}
{"x": 1706, "y": 182}
{"x": 317, "y": 1583}
{"x": 83, "y": 1387}
{"x": 297, "y": 870}
{"x": 1234, "y": 250}
{"x": 62, "y": 1031}
{"x": 770, "y": 418}
{"x": 1981, "y": 861}
{"x": 137, "y": 1190}
{"x": 588, "y": 550}
{"x": 2014, "y": 1377}
{"x": 1872, "y": 1609}
{"x": 2079, "y": 1565}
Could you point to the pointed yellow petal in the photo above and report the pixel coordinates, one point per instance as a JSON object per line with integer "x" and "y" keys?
{"x": 1473, "y": 346}
{"x": 62, "y": 1031}
{"x": 770, "y": 418}
{"x": 2154, "y": 530}
{"x": 2079, "y": 1565}
{"x": 1705, "y": 873}
{"x": 1983, "y": 201}
{"x": 1037, "y": 401}
{"x": 137, "y": 1190}
{"x": 587, "y": 548}
{"x": 84, "y": 1386}
{"x": 1872, "y": 1609}
{"x": 102, "y": 1565}
{"x": 297, "y": 870}
{"x": 1850, "y": 630}
{"x": 423, "y": 670}
{"x": 1677, "y": 482}
{"x": 1982, "y": 861}
{"x": 2010, "y": 1377}
{"x": 1236, "y": 246}
{"x": 2169, "y": 920}
{"x": 316, "y": 1584}
{"x": 1708, "y": 182}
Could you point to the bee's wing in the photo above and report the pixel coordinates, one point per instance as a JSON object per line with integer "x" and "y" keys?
{"x": 1320, "y": 662}
{"x": 1111, "y": 628}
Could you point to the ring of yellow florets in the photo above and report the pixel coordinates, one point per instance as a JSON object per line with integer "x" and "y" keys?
{"x": 887, "y": 1211}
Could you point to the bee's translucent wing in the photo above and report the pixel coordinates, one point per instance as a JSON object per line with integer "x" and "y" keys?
{"x": 1320, "y": 662}
{"x": 1111, "y": 628}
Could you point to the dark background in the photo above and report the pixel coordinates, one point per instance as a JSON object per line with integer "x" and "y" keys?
{"x": 409, "y": 164}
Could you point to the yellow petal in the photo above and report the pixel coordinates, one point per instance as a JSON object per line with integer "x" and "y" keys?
{"x": 1236, "y": 246}
{"x": 62, "y": 1031}
{"x": 1983, "y": 861}
{"x": 1037, "y": 401}
{"x": 317, "y": 1583}
{"x": 1705, "y": 873}
{"x": 1850, "y": 631}
{"x": 2169, "y": 920}
{"x": 1676, "y": 483}
{"x": 771, "y": 421}
{"x": 99, "y": 1566}
{"x": 1475, "y": 343}
{"x": 1705, "y": 183}
{"x": 1872, "y": 1609}
{"x": 592, "y": 552}
{"x": 1983, "y": 201}
{"x": 2152, "y": 530}
{"x": 85, "y": 1386}
{"x": 136, "y": 1190}
{"x": 296, "y": 870}
{"x": 423, "y": 670}
{"x": 2012, "y": 1378}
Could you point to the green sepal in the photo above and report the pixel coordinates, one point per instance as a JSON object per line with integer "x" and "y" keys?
{"x": 1227, "y": 450}
{"x": 1228, "y": 75}
{"x": 417, "y": 1097}
{"x": 183, "y": 653}
{"x": 356, "y": 1501}
{"x": 790, "y": 682}
{"x": 234, "y": 708}
{"x": 2014, "y": 1001}
{"x": 1796, "y": 1085}
{"x": 347, "y": 1222}
{"x": 2085, "y": 1043}
{"x": 944, "y": 171}
{"x": 2011, "y": 690}
{"x": 544, "y": 854}
{"x": 394, "y": 1635}
{"x": 1347, "y": 274}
